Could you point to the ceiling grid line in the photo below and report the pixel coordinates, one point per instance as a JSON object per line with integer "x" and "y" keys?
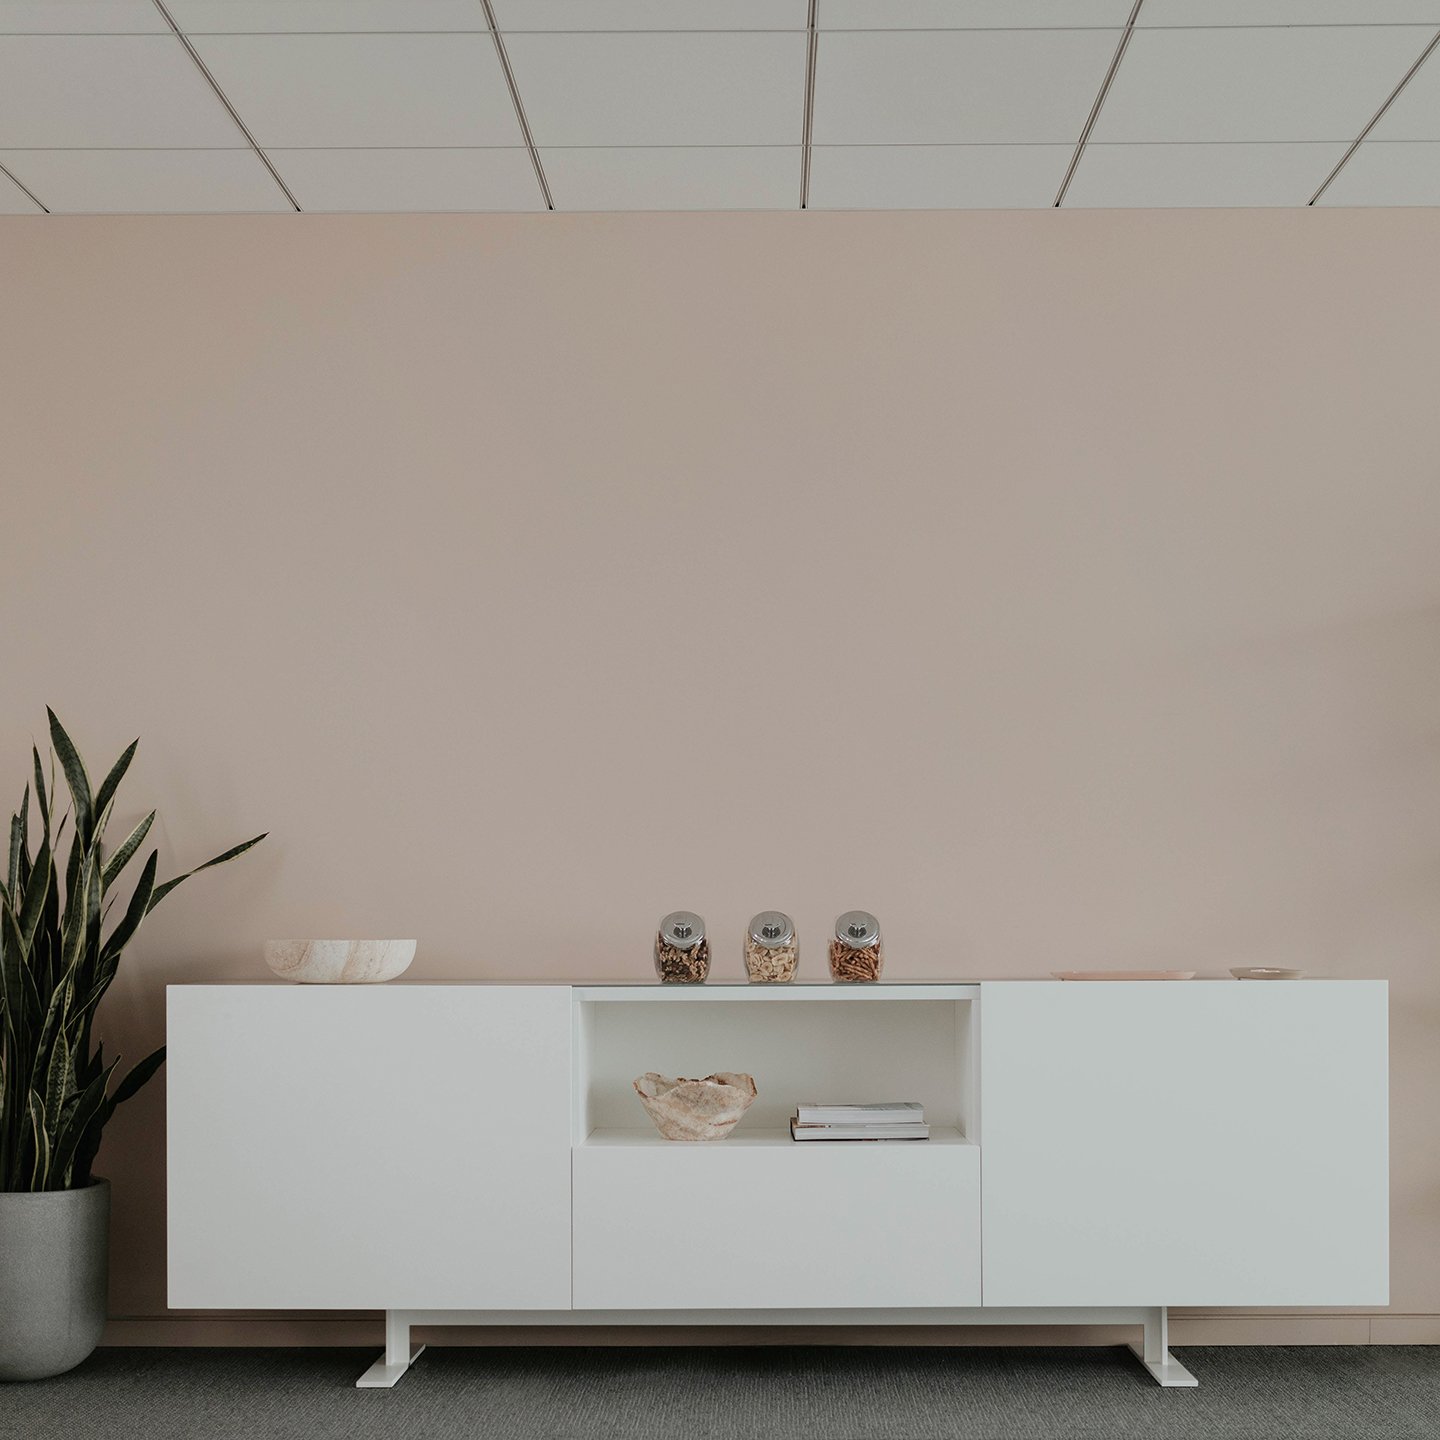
{"x": 25, "y": 189}
{"x": 224, "y": 99}
{"x": 807, "y": 127}
{"x": 1376, "y": 118}
{"x": 1095, "y": 109}
{"x": 515, "y": 100}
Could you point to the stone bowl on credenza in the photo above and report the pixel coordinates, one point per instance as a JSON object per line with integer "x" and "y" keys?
{"x": 339, "y": 962}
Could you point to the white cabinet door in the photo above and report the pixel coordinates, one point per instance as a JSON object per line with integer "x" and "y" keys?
{"x": 369, "y": 1147}
{"x": 1184, "y": 1144}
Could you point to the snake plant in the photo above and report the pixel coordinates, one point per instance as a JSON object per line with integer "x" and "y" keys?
{"x": 59, "y": 952}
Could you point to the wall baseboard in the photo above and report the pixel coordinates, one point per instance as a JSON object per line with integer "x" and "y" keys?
{"x": 360, "y": 1330}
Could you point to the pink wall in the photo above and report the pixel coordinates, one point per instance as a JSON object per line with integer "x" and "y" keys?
{"x": 1063, "y": 587}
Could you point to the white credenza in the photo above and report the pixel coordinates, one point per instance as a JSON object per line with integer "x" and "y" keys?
{"x": 473, "y": 1153}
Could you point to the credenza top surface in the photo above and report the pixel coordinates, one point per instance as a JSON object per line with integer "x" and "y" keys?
{"x": 604, "y": 990}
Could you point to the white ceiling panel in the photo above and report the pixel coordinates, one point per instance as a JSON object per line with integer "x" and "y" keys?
{"x": 102, "y": 91}
{"x": 1415, "y": 115}
{"x": 239, "y": 17}
{"x": 1388, "y": 173}
{"x": 650, "y": 14}
{"x": 1185, "y": 176}
{"x": 81, "y": 17}
{"x": 1256, "y": 84}
{"x": 936, "y": 177}
{"x": 393, "y": 180}
{"x": 167, "y": 182}
{"x": 958, "y": 87}
{"x": 1155, "y": 13}
{"x": 661, "y": 89}
{"x": 715, "y": 177}
{"x": 393, "y": 91}
{"x": 14, "y": 201}
{"x": 969, "y": 14}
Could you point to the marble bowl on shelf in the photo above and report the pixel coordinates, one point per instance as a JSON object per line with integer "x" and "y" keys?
{"x": 707, "y": 1109}
{"x": 339, "y": 962}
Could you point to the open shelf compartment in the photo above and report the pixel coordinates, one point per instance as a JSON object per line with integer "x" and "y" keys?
{"x": 820, "y": 1042}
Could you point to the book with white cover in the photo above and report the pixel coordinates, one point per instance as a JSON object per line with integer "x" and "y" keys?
{"x": 894, "y": 1131}
{"x": 809, "y": 1112}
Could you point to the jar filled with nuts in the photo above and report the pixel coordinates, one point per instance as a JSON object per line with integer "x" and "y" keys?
{"x": 772, "y": 949}
{"x": 682, "y": 953}
{"x": 855, "y": 952}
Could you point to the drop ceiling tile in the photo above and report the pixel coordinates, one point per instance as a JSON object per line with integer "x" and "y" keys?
{"x": 110, "y": 90}
{"x": 1415, "y": 115}
{"x": 14, "y": 201}
{"x": 395, "y": 91}
{"x": 1157, "y": 13}
{"x": 936, "y": 177}
{"x": 958, "y": 87}
{"x": 1388, "y": 173}
{"x": 970, "y": 14}
{"x": 384, "y": 180}
{"x": 650, "y": 14}
{"x": 715, "y": 177}
{"x": 236, "y": 17}
{"x": 81, "y": 17}
{"x": 661, "y": 89}
{"x": 167, "y": 182}
{"x": 1142, "y": 177}
{"x": 1255, "y": 84}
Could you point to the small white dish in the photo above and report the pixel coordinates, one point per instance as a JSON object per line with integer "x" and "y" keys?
{"x": 1265, "y": 972}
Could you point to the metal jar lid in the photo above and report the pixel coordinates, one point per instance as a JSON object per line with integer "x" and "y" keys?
{"x": 682, "y": 929}
{"x": 772, "y": 928}
{"x": 858, "y": 929}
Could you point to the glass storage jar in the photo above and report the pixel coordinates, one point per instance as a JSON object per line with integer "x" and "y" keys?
{"x": 856, "y": 955}
{"x": 772, "y": 949}
{"x": 682, "y": 953}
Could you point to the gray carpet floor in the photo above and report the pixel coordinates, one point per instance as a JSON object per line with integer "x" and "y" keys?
{"x": 1310, "y": 1393}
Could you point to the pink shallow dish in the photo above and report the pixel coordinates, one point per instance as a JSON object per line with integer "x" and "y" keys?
{"x": 1123, "y": 974}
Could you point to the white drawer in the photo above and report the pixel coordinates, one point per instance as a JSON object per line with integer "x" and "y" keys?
{"x": 760, "y": 1221}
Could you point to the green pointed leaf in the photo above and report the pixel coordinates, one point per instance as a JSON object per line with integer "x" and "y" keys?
{"x": 40, "y": 792}
{"x": 72, "y": 868}
{"x": 40, "y": 1174}
{"x": 138, "y": 1075}
{"x": 161, "y": 891}
{"x": 36, "y": 893}
{"x": 17, "y": 844}
{"x": 50, "y": 1033}
{"x": 59, "y": 1081}
{"x": 111, "y": 783}
{"x": 78, "y": 1119}
{"x": 12, "y": 987}
{"x": 92, "y": 904}
{"x": 75, "y": 776}
{"x": 121, "y": 858}
{"x": 141, "y": 903}
{"x": 72, "y": 923}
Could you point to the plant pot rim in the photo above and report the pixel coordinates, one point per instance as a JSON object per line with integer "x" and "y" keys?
{"x": 97, "y": 1182}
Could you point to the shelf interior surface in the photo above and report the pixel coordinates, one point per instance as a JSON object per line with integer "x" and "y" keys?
{"x": 740, "y": 1137}
{"x": 882, "y": 1050}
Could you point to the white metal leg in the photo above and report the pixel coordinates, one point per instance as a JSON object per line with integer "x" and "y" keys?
{"x": 398, "y": 1356}
{"x": 1155, "y": 1354}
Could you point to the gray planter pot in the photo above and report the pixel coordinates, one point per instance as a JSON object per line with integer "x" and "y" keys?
{"x": 54, "y": 1278}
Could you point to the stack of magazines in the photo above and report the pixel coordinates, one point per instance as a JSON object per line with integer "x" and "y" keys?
{"x": 889, "y": 1120}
